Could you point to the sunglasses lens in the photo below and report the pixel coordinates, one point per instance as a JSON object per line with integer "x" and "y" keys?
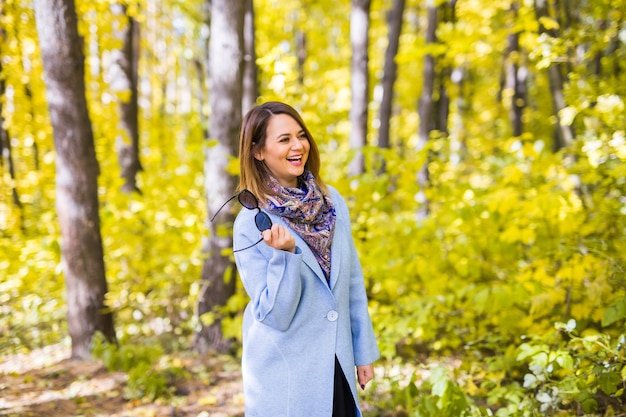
{"x": 262, "y": 221}
{"x": 248, "y": 200}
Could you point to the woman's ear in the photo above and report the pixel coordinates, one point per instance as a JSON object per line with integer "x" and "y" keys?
{"x": 257, "y": 155}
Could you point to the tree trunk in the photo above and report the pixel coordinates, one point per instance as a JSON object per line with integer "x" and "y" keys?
{"x": 6, "y": 152}
{"x": 458, "y": 136}
{"x": 124, "y": 82}
{"x": 614, "y": 46}
{"x": 225, "y": 98}
{"x": 426, "y": 106}
{"x": 514, "y": 79}
{"x": 390, "y": 70}
{"x": 301, "y": 54}
{"x": 250, "y": 82}
{"x": 514, "y": 86}
{"x": 201, "y": 65}
{"x": 443, "y": 102}
{"x": 448, "y": 15}
{"x": 76, "y": 174}
{"x": 563, "y": 135}
{"x": 359, "y": 39}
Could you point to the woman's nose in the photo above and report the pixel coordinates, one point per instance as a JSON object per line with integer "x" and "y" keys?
{"x": 296, "y": 143}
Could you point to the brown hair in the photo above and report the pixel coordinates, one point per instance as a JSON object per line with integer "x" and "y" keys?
{"x": 254, "y": 174}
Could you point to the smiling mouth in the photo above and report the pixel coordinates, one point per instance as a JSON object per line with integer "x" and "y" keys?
{"x": 295, "y": 158}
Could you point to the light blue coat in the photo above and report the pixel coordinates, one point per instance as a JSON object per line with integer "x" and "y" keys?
{"x": 295, "y": 322}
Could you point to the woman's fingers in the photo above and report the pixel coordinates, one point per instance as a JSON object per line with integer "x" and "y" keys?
{"x": 365, "y": 374}
{"x": 279, "y": 237}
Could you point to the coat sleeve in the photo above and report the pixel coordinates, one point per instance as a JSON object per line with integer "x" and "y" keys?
{"x": 363, "y": 338}
{"x": 271, "y": 277}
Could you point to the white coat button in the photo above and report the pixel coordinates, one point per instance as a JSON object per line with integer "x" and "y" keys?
{"x": 332, "y": 315}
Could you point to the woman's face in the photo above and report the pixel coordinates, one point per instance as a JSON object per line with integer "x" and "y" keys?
{"x": 286, "y": 149}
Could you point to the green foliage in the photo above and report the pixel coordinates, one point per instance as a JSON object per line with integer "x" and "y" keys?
{"x": 616, "y": 312}
{"x": 516, "y": 239}
{"x": 511, "y": 244}
{"x": 446, "y": 399}
{"x": 32, "y": 312}
{"x": 148, "y": 374}
{"x": 151, "y": 241}
{"x": 565, "y": 371}
{"x": 426, "y": 391}
{"x": 152, "y": 244}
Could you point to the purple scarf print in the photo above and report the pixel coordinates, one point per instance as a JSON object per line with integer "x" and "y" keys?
{"x": 309, "y": 212}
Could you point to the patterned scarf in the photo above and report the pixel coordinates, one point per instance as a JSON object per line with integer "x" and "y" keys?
{"x": 308, "y": 211}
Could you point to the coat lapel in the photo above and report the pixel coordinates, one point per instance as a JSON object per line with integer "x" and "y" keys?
{"x": 307, "y": 254}
{"x": 336, "y": 250}
{"x": 308, "y": 257}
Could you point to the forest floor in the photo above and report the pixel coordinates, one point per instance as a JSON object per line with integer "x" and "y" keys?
{"x": 46, "y": 383}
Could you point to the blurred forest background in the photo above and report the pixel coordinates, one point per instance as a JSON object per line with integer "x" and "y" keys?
{"x": 481, "y": 146}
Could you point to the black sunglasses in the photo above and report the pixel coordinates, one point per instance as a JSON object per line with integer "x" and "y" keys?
{"x": 249, "y": 201}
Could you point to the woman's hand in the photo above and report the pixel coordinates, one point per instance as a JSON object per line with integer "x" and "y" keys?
{"x": 279, "y": 237}
{"x": 365, "y": 373}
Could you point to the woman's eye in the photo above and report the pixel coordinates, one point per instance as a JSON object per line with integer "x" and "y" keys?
{"x": 302, "y": 136}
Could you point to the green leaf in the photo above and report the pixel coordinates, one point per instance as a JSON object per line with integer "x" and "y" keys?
{"x": 565, "y": 361}
{"x": 587, "y": 403}
{"x": 614, "y": 312}
{"x": 439, "y": 379}
{"x": 609, "y": 382}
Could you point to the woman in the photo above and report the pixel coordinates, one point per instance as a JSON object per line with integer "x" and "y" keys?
{"x": 307, "y": 325}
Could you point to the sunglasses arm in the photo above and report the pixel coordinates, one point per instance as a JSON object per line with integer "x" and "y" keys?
{"x": 220, "y": 209}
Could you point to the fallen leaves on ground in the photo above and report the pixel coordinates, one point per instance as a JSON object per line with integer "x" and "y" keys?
{"x": 45, "y": 382}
